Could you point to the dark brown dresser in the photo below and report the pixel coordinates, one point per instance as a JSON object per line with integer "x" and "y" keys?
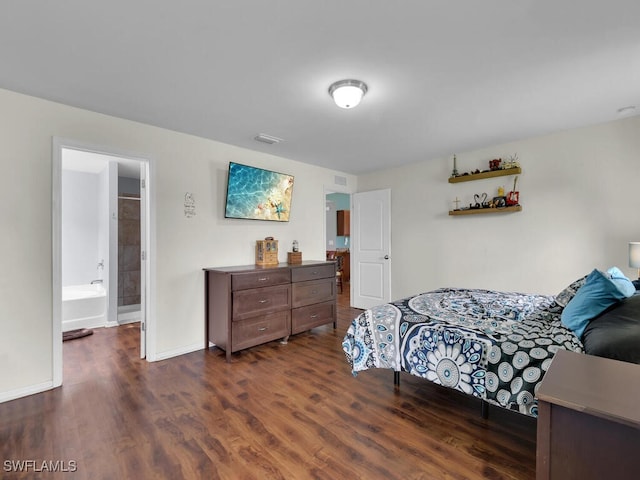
{"x": 248, "y": 305}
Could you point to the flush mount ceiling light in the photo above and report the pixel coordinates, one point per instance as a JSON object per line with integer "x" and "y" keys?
{"x": 347, "y": 93}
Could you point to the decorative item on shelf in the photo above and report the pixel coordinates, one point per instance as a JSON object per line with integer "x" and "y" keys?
{"x": 480, "y": 201}
{"x": 294, "y": 257}
{"x": 267, "y": 251}
{"x": 454, "y": 173}
{"x": 512, "y": 162}
{"x": 500, "y": 201}
{"x": 495, "y": 164}
{"x": 513, "y": 197}
{"x": 456, "y": 202}
{"x": 295, "y": 247}
{"x": 480, "y": 175}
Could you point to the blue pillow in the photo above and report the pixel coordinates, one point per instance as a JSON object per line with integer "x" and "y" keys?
{"x": 625, "y": 285}
{"x": 597, "y": 294}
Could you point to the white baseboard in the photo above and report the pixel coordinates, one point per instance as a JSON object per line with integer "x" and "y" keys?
{"x": 129, "y": 317}
{"x": 121, "y": 322}
{"x": 89, "y": 322}
{"x": 175, "y": 352}
{"x": 128, "y": 321}
{"x": 25, "y": 391}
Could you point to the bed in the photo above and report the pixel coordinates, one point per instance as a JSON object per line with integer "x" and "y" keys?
{"x": 495, "y": 346}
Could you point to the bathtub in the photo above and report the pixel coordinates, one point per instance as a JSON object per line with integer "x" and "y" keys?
{"x": 83, "y": 306}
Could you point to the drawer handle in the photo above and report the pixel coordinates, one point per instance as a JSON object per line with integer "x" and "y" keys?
{"x": 263, "y": 279}
{"x": 314, "y": 316}
{"x": 264, "y": 301}
{"x": 315, "y": 272}
{"x": 313, "y": 292}
{"x": 262, "y": 329}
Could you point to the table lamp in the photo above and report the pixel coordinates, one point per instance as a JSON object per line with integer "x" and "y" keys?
{"x": 634, "y": 256}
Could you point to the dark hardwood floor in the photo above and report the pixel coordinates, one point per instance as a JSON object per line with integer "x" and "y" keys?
{"x": 275, "y": 412}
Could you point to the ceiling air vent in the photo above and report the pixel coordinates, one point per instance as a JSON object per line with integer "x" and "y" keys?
{"x": 264, "y": 138}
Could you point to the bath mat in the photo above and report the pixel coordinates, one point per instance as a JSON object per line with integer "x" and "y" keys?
{"x": 78, "y": 333}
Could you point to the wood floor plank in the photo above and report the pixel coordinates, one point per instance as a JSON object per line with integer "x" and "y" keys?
{"x": 276, "y": 411}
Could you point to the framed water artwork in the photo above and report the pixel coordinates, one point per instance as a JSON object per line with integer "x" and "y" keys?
{"x": 258, "y": 194}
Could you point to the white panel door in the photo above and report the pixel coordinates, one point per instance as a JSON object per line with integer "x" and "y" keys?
{"x": 371, "y": 248}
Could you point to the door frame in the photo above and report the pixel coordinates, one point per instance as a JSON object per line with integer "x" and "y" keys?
{"x": 327, "y": 189}
{"x": 58, "y": 144}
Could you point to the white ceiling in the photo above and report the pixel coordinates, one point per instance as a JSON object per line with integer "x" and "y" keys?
{"x": 443, "y": 77}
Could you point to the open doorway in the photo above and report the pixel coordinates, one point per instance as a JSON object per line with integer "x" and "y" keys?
{"x": 100, "y": 242}
{"x": 338, "y": 236}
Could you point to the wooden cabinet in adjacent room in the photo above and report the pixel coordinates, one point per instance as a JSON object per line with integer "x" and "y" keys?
{"x": 250, "y": 305}
{"x": 346, "y": 264}
{"x": 344, "y": 219}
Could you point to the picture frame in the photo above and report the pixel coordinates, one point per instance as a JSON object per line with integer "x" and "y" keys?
{"x": 499, "y": 202}
{"x": 258, "y": 194}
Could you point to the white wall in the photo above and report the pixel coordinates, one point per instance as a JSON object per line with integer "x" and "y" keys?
{"x": 81, "y": 227}
{"x": 580, "y": 203}
{"x": 578, "y": 190}
{"x": 182, "y": 163}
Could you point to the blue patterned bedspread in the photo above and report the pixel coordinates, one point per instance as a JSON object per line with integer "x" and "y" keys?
{"x": 492, "y": 345}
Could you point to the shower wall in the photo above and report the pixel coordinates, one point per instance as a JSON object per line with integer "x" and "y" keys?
{"x": 128, "y": 249}
{"x": 81, "y": 228}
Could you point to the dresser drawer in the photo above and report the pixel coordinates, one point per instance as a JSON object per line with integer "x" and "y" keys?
{"x": 304, "y": 318}
{"x": 263, "y": 278}
{"x": 316, "y": 291}
{"x": 254, "y": 331}
{"x": 249, "y": 303}
{"x": 313, "y": 272}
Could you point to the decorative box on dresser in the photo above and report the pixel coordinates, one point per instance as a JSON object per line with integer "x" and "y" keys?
{"x": 588, "y": 419}
{"x": 249, "y": 305}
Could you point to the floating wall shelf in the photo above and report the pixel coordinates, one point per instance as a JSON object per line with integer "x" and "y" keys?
{"x": 475, "y": 211}
{"x": 489, "y": 174}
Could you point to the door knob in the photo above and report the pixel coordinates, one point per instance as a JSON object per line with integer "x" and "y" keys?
{"x": 386, "y": 257}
